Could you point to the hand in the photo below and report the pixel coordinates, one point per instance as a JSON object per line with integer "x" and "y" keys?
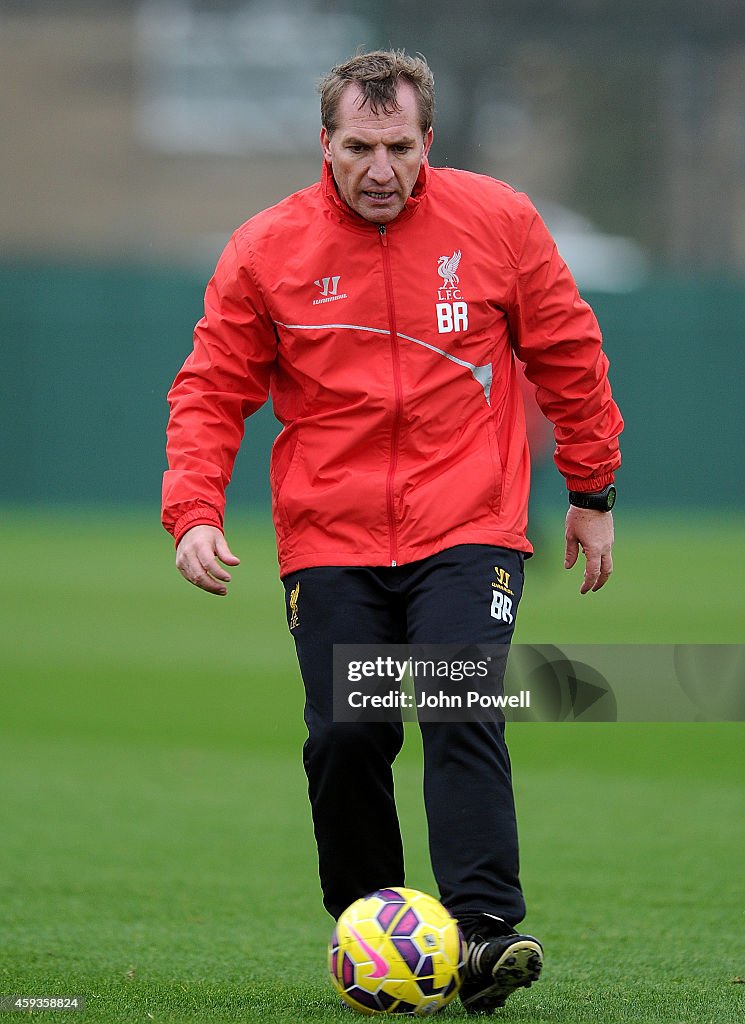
{"x": 593, "y": 532}
{"x": 198, "y": 558}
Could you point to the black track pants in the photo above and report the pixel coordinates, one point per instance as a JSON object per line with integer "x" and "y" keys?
{"x": 447, "y": 598}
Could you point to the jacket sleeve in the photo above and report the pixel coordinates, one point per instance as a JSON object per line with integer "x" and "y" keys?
{"x": 224, "y": 379}
{"x": 556, "y": 335}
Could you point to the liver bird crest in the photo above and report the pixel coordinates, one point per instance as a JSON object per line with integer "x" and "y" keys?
{"x": 447, "y": 268}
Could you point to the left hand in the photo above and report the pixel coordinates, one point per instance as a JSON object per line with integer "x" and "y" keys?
{"x": 593, "y": 532}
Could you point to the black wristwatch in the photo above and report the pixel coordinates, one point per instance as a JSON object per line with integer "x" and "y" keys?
{"x": 599, "y": 501}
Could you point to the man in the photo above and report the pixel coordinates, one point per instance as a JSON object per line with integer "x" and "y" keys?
{"x": 383, "y": 309}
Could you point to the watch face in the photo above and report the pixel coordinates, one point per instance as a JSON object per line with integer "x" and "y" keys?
{"x": 611, "y": 498}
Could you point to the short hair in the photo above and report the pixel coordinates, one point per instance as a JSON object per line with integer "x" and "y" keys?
{"x": 377, "y": 74}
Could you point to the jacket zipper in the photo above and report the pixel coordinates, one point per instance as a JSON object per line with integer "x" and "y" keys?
{"x": 397, "y": 400}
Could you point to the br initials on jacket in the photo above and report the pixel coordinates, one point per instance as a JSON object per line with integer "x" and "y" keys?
{"x": 452, "y": 312}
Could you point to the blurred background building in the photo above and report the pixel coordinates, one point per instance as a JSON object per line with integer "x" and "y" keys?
{"x": 137, "y": 135}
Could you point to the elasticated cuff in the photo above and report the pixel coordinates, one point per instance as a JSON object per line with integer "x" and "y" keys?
{"x": 201, "y": 515}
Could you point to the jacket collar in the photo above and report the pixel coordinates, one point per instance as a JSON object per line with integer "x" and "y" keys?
{"x": 343, "y": 212}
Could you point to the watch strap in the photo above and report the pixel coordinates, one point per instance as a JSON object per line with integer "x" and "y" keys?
{"x": 598, "y": 501}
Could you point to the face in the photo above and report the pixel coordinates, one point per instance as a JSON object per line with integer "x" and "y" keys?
{"x": 376, "y": 158}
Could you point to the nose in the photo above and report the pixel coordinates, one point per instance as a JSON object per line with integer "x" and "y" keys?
{"x": 380, "y": 170}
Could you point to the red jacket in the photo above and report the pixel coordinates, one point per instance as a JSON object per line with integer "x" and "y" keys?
{"x": 389, "y": 354}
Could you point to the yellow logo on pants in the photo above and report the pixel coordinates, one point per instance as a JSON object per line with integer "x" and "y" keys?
{"x": 294, "y": 595}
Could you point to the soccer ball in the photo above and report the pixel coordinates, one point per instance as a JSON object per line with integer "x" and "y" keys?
{"x": 396, "y": 951}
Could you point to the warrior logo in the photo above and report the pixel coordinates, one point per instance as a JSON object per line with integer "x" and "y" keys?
{"x": 328, "y": 285}
{"x": 329, "y": 289}
{"x": 502, "y": 581}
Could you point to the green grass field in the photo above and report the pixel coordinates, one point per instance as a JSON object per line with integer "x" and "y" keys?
{"x": 156, "y": 854}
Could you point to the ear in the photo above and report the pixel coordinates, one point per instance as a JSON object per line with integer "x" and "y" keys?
{"x": 428, "y": 141}
{"x": 325, "y": 140}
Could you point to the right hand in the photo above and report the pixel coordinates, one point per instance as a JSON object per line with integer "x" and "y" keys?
{"x": 592, "y": 533}
{"x": 198, "y": 558}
